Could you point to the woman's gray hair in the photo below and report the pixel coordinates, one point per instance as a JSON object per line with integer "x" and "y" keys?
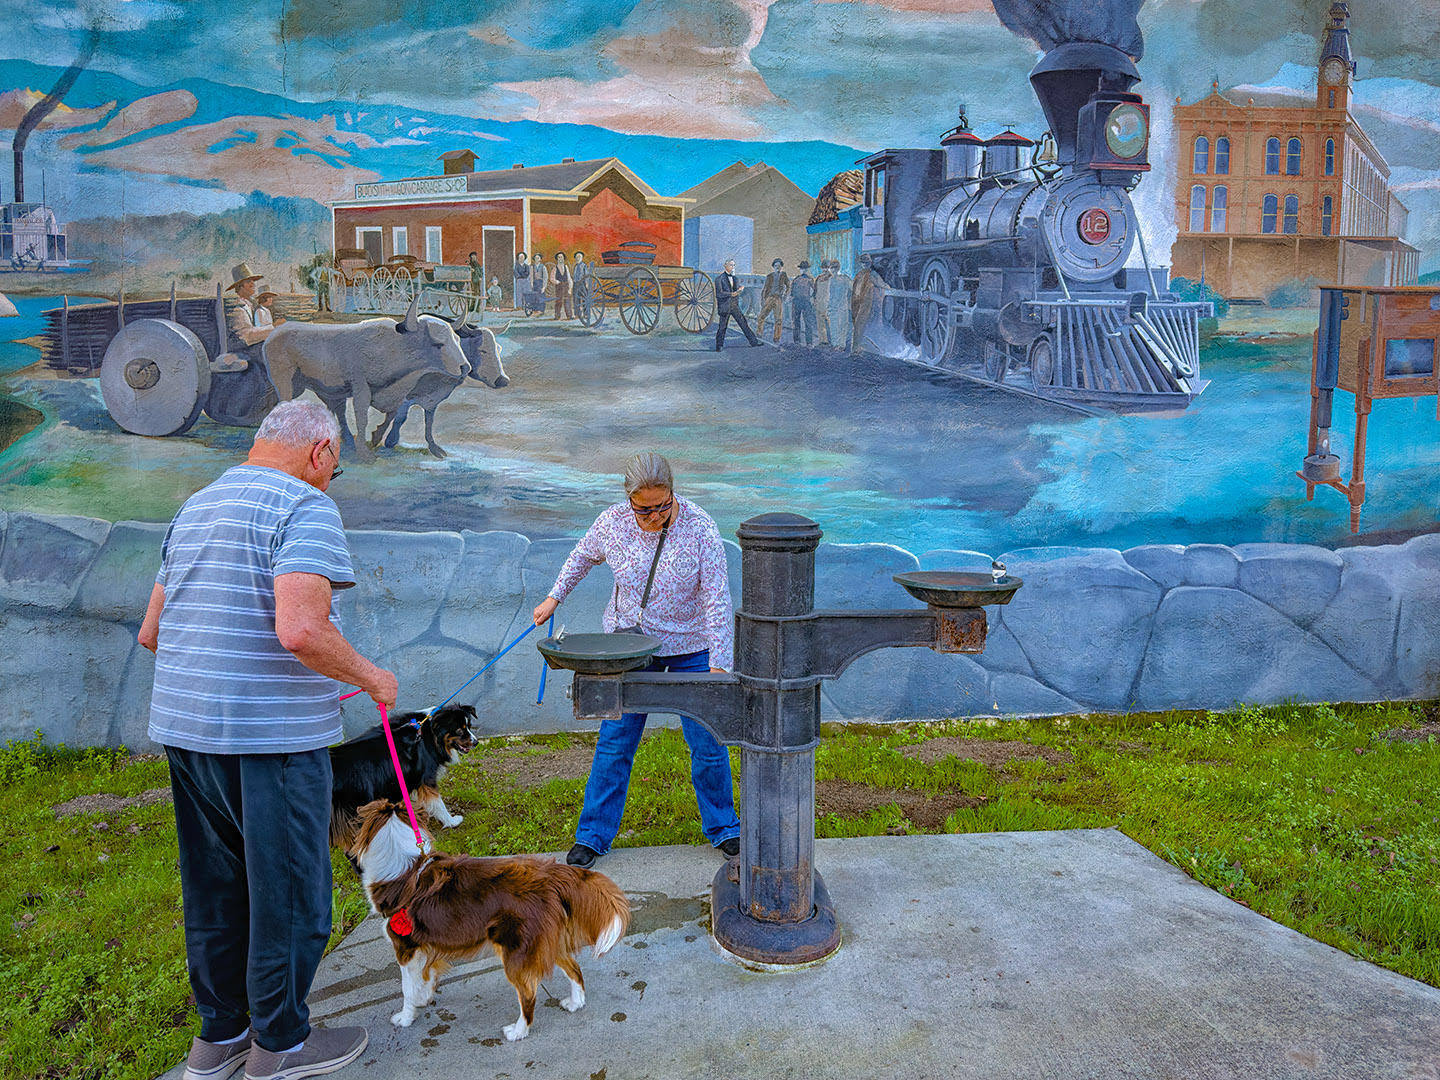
{"x": 648, "y": 470}
{"x": 300, "y": 423}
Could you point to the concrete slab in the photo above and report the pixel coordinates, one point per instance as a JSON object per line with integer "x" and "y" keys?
{"x": 1033, "y": 956}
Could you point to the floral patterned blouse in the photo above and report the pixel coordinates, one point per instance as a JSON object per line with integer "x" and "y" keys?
{"x": 689, "y": 608}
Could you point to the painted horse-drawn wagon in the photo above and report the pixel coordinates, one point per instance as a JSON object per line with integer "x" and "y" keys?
{"x": 355, "y": 284}
{"x": 627, "y": 280}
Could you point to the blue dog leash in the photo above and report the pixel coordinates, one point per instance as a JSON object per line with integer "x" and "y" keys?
{"x": 544, "y": 667}
{"x": 482, "y": 671}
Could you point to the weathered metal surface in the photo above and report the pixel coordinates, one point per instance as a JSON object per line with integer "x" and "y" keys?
{"x": 775, "y": 910}
{"x": 957, "y": 589}
{"x": 599, "y": 654}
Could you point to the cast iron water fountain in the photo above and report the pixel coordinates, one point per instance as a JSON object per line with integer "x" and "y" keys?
{"x": 776, "y": 910}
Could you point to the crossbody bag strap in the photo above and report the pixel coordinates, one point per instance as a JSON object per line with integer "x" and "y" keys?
{"x": 649, "y": 581}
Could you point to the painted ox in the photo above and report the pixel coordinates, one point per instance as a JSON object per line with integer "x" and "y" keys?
{"x": 382, "y": 364}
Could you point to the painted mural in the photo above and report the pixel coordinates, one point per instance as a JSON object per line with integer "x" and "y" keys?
{"x": 1022, "y": 274}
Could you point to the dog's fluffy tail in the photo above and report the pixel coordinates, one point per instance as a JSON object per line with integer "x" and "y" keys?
{"x": 599, "y": 911}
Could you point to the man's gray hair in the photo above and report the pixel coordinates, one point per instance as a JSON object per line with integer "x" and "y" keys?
{"x": 300, "y": 423}
{"x": 648, "y": 470}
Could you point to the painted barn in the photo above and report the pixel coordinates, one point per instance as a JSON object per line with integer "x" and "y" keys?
{"x": 590, "y": 206}
{"x": 776, "y": 208}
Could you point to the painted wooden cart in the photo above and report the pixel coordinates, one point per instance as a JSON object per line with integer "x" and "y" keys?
{"x": 626, "y": 281}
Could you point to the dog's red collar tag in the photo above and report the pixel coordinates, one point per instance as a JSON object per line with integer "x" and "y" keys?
{"x": 401, "y": 924}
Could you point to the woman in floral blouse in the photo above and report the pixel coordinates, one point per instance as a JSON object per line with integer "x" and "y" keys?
{"x": 688, "y": 610}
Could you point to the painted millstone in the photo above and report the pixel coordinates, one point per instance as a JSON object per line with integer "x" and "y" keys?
{"x": 1144, "y": 304}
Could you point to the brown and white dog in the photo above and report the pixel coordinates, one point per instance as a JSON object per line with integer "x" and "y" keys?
{"x": 441, "y": 909}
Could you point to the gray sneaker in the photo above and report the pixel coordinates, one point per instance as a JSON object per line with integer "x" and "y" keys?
{"x": 325, "y": 1050}
{"x": 214, "y": 1061}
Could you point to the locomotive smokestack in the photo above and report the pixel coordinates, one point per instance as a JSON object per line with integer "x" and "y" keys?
{"x": 45, "y": 106}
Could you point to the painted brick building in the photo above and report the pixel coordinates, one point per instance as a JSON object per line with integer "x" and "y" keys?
{"x": 590, "y": 206}
{"x": 1268, "y": 195}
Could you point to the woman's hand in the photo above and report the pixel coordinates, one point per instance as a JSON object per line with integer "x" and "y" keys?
{"x": 545, "y": 609}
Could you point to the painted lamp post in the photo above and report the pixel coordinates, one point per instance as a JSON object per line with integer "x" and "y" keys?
{"x": 772, "y": 907}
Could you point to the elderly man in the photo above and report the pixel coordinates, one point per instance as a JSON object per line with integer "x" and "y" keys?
{"x": 248, "y": 656}
{"x": 727, "y": 306}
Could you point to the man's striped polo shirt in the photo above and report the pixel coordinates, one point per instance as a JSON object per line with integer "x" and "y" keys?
{"x": 223, "y": 682}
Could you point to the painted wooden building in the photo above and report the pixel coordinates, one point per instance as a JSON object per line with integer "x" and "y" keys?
{"x": 590, "y": 206}
{"x": 1268, "y": 195}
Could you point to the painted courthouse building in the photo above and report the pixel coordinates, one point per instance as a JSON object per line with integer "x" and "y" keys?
{"x": 1268, "y": 195}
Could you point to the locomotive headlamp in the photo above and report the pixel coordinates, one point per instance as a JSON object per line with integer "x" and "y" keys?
{"x": 1126, "y": 131}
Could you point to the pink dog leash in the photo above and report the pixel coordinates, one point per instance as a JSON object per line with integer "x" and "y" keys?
{"x": 399, "y": 773}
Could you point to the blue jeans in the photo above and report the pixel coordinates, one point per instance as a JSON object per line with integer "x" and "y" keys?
{"x": 254, "y": 839}
{"x": 615, "y": 755}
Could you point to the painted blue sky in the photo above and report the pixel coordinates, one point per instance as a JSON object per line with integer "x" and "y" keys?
{"x": 192, "y": 104}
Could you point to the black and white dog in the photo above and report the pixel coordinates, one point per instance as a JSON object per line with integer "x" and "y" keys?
{"x": 426, "y": 742}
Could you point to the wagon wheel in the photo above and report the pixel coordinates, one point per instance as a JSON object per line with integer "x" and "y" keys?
{"x": 458, "y": 305}
{"x": 695, "y": 302}
{"x": 155, "y": 377}
{"x": 640, "y": 300}
{"x": 590, "y": 300}
{"x": 373, "y": 289}
{"x": 937, "y": 332}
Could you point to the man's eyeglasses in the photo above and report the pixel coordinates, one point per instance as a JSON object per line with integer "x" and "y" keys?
{"x": 338, "y": 469}
{"x": 647, "y": 511}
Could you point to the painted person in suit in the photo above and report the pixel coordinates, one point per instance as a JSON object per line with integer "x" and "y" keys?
{"x": 864, "y": 300}
{"x": 539, "y": 282}
{"x": 802, "y": 305}
{"x": 562, "y": 276}
{"x": 522, "y": 281}
{"x": 727, "y": 306}
{"x": 773, "y": 297}
{"x": 579, "y": 274}
{"x": 822, "y": 300}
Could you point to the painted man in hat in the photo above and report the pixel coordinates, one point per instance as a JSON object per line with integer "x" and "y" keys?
{"x": 865, "y": 300}
{"x": 822, "y": 300}
{"x": 773, "y": 297}
{"x": 242, "y": 325}
{"x": 802, "y": 305}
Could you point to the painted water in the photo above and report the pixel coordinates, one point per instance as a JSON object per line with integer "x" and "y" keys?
{"x": 873, "y": 449}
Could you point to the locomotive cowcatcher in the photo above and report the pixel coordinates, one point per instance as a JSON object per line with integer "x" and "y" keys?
{"x": 1014, "y": 273}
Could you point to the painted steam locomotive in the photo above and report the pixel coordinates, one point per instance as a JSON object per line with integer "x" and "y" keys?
{"x": 1015, "y": 273}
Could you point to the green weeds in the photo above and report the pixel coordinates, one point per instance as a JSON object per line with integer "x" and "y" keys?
{"x": 1324, "y": 818}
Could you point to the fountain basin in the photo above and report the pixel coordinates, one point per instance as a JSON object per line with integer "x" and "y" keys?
{"x": 956, "y": 588}
{"x": 599, "y": 654}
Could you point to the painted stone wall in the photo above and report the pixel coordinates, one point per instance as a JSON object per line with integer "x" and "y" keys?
{"x": 1154, "y": 627}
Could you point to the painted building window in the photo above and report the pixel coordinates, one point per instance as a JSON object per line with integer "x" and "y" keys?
{"x": 1327, "y": 216}
{"x": 1292, "y": 158}
{"x": 1218, "y": 205}
{"x": 432, "y": 244}
{"x": 1292, "y": 214}
{"x": 399, "y": 241}
{"x": 1329, "y": 157}
{"x": 1201, "y": 163}
{"x": 1222, "y": 157}
{"x": 1332, "y": 99}
{"x": 1272, "y": 157}
{"x": 876, "y": 194}
{"x": 1197, "y": 208}
{"x": 1268, "y": 209}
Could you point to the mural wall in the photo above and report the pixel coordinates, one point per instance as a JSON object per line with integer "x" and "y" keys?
{"x": 1082, "y": 248}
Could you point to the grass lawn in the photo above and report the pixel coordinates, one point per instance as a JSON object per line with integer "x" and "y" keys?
{"x": 1322, "y": 818}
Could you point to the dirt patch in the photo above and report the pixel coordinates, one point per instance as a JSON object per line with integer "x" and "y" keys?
{"x": 849, "y": 799}
{"x": 110, "y": 804}
{"x": 1420, "y": 733}
{"x": 526, "y": 767}
{"x": 992, "y": 753}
